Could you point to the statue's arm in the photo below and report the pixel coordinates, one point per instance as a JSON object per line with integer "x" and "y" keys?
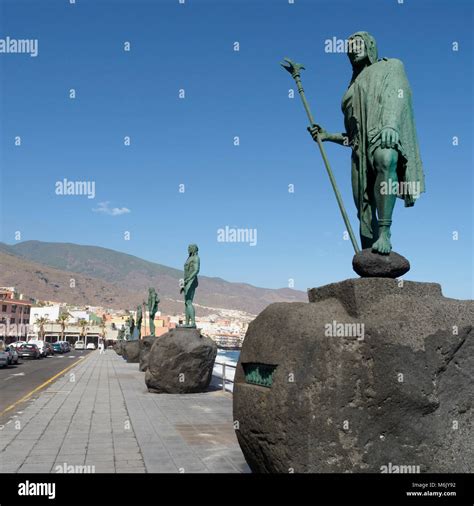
{"x": 338, "y": 138}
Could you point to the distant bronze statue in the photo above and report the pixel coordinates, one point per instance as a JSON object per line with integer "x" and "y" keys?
{"x": 139, "y": 320}
{"x": 153, "y": 301}
{"x": 127, "y": 333}
{"x": 190, "y": 283}
{"x": 132, "y": 325}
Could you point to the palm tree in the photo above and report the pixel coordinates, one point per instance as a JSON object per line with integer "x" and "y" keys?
{"x": 102, "y": 327}
{"x": 63, "y": 318}
{"x": 83, "y": 324}
{"x": 41, "y": 322}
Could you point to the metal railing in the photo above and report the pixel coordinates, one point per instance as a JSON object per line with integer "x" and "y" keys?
{"x": 224, "y": 379}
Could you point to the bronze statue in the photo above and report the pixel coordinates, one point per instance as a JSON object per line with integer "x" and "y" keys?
{"x": 190, "y": 283}
{"x": 139, "y": 320}
{"x": 153, "y": 301}
{"x": 131, "y": 323}
{"x": 121, "y": 333}
{"x": 127, "y": 333}
{"x": 380, "y": 129}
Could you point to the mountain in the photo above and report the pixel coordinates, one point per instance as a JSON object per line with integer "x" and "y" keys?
{"x": 42, "y": 282}
{"x": 109, "y": 278}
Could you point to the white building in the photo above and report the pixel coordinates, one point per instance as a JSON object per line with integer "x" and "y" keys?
{"x": 76, "y": 315}
{"x": 51, "y": 313}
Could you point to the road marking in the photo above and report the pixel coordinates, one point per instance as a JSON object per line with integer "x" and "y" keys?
{"x": 27, "y": 396}
{"x": 13, "y": 375}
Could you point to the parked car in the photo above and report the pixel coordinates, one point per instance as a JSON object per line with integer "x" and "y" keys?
{"x": 49, "y": 349}
{"x": 41, "y": 346}
{"x": 90, "y": 346}
{"x": 4, "y": 356}
{"x": 29, "y": 350}
{"x": 17, "y": 344}
{"x": 12, "y": 355}
{"x": 6, "y": 350}
{"x": 79, "y": 345}
{"x": 3, "y": 359}
{"x": 65, "y": 345}
{"x": 58, "y": 347}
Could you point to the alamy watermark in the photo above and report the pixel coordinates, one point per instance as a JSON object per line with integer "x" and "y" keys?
{"x": 66, "y": 187}
{"x": 401, "y": 188}
{"x": 396, "y": 469}
{"x": 335, "y": 45}
{"x": 15, "y": 329}
{"x": 232, "y": 234}
{"x": 74, "y": 469}
{"x": 19, "y": 46}
{"x": 36, "y": 489}
{"x": 338, "y": 329}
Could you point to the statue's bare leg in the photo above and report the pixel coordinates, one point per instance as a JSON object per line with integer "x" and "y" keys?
{"x": 366, "y": 242}
{"x": 190, "y": 312}
{"x": 385, "y": 163}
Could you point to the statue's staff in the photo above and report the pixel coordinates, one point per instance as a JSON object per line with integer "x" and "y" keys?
{"x": 294, "y": 69}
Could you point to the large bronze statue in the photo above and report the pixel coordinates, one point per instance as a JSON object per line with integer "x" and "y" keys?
{"x": 153, "y": 301}
{"x": 190, "y": 283}
{"x": 380, "y": 129}
{"x": 386, "y": 164}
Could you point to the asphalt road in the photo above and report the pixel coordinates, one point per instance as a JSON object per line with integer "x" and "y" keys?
{"x": 17, "y": 381}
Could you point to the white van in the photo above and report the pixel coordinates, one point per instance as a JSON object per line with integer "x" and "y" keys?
{"x": 79, "y": 345}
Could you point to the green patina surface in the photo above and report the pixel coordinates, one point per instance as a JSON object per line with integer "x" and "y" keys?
{"x": 259, "y": 374}
{"x": 380, "y": 130}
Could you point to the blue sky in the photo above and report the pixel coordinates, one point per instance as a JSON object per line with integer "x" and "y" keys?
{"x": 191, "y": 141}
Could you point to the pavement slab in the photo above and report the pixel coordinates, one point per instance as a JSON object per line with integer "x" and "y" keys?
{"x": 103, "y": 417}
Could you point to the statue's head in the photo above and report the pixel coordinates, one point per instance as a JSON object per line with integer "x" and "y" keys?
{"x": 362, "y": 47}
{"x": 193, "y": 249}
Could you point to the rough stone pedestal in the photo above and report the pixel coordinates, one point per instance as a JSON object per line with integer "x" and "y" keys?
{"x": 118, "y": 347}
{"x": 131, "y": 351}
{"x": 145, "y": 347}
{"x": 370, "y": 375}
{"x": 373, "y": 265}
{"x": 180, "y": 361}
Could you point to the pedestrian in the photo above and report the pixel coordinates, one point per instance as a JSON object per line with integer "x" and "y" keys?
{"x": 101, "y": 346}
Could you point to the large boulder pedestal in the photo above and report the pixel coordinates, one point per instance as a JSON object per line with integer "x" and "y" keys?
{"x": 373, "y": 375}
{"x": 180, "y": 361}
{"x": 145, "y": 347}
{"x": 118, "y": 347}
{"x": 131, "y": 351}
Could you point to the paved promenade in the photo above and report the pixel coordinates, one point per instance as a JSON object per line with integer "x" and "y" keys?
{"x": 100, "y": 414}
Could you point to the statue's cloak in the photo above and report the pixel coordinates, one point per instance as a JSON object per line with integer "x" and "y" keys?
{"x": 377, "y": 98}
